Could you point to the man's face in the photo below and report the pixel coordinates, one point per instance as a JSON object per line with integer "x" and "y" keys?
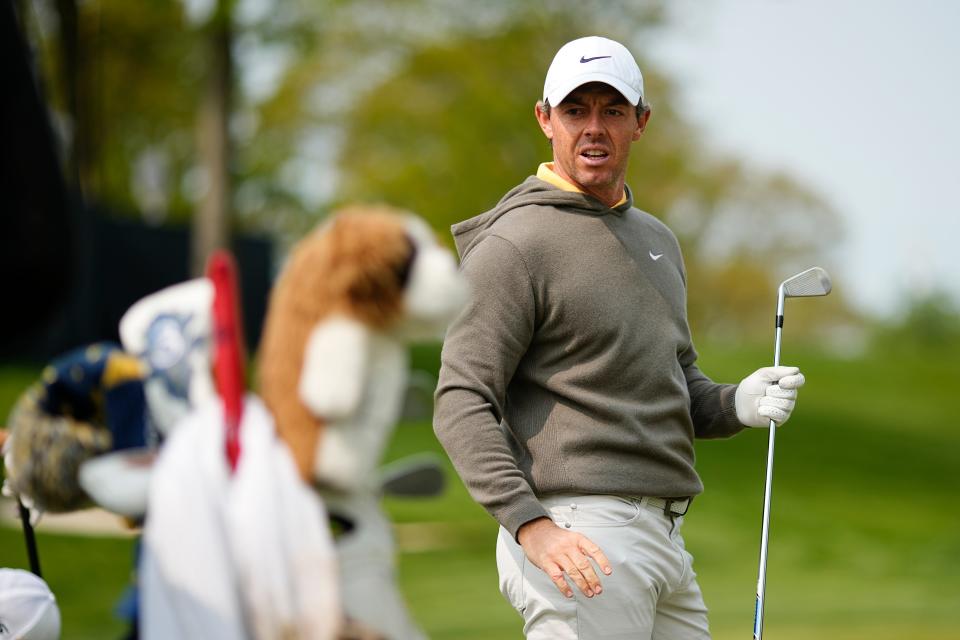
{"x": 591, "y": 132}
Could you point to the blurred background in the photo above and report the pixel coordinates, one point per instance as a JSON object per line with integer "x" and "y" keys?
{"x": 140, "y": 136}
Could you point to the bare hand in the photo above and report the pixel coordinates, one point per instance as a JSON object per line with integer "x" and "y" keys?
{"x": 557, "y": 551}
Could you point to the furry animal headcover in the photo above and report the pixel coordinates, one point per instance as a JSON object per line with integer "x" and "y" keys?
{"x": 88, "y": 401}
{"x": 368, "y": 275}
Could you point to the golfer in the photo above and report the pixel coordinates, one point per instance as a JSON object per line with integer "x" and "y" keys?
{"x": 569, "y": 394}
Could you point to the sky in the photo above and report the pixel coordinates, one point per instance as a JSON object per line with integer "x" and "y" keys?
{"x": 860, "y": 101}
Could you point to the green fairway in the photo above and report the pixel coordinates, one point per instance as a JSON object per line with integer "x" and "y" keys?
{"x": 865, "y": 536}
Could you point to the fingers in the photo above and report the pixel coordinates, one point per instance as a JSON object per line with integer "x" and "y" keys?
{"x": 794, "y": 381}
{"x": 556, "y": 576}
{"x": 769, "y": 393}
{"x": 773, "y": 413}
{"x": 592, "y": 550}
{"x": 566, "y": 557}
{"x": 777, "y": 404}
{"x": 777, "y": 391}
{"x": 581, "y": 572}
{"x": 779, "y": 399}
{"x": 779, "y": 417}
{"x": 786, "y": 377}
{"x": 773, "y": 374}
{"x": 770, "y": 402}
{"x": 578, "y": 568}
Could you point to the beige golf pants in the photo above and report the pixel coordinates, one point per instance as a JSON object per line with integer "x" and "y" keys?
{"x": 652, "y": 593}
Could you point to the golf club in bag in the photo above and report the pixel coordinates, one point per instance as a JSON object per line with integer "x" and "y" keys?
{"x": 32, "y": 555}
{"x": 806, "y": 284}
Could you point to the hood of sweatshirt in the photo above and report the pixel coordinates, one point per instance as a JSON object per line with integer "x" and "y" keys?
{"x": 531, "y": 192}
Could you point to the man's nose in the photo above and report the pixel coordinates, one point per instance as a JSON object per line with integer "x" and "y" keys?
{"x": 594, "y": 125}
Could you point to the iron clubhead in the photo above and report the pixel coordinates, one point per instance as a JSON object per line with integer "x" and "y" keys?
{"x": 806, "y": 284}
{"x": 416, "y": 476}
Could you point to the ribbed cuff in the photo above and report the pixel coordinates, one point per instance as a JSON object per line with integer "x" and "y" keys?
{"x": 728, "y": 411}
{"x": 519, "y": 514}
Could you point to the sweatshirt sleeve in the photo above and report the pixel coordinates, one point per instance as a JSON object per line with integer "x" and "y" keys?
{"x": 481, "y": 351}
{"x": 712, "y": 405}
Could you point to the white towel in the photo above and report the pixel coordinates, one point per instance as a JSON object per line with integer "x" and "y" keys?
{"x": 248, "y": 556}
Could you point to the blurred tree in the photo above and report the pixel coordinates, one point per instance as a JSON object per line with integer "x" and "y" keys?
{"x": 452, "y": 130}
{"x": 123, "y": 76}
{"x": 143, "y": 103}
{"x": 427, "y": 104}
{"x": 358, "y": 62}
{"x": 450, "y": 133}
{"x": 211, "y": 221}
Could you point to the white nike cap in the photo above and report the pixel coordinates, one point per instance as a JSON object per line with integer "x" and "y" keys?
{"x": 28, "y": 610}
{"x": 593, "y": 59}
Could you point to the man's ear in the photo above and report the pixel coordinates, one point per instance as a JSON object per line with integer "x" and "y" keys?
{"x": 642, "y": 123}
{"x": 544, "y": 120}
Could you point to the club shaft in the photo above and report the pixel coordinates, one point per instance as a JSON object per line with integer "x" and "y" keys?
{"x": 767, "y": 492}
{"x": 30, "y": 539}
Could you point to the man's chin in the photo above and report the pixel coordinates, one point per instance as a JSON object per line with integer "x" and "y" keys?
{"x": 595, "y": 180}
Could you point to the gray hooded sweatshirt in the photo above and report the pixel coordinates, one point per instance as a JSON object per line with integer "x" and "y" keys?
{"x": 572, "y": 369}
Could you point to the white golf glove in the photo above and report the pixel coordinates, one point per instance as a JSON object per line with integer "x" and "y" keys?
{"x": 769, "y": 393}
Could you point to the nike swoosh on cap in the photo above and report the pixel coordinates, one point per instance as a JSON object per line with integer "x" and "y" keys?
{"x": 584, "y": 60}
{"x": 655, "y": 256}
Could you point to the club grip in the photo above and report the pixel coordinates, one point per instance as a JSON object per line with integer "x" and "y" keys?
{"x": 756, "y": 619}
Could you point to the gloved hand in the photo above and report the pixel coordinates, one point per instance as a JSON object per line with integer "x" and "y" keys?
{"x": 769, "y": 393}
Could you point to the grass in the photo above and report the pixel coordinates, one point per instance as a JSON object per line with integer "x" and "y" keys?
{"x": 865, "y": 535}
{"x": 87, "y": 575}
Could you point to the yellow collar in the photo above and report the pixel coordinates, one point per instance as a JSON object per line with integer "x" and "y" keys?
{"x": 546, "y": 173}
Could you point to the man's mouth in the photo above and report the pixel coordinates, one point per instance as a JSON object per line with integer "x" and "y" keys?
{"x": 594, "y": 156}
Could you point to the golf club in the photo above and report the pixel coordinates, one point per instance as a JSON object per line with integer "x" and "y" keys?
{"x": 30, "y": 538}
{"x": 806, "y": 284}
{"x": 416, "y": 476}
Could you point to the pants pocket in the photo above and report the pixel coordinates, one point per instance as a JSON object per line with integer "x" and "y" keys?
{"x": 593, "y": 511}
